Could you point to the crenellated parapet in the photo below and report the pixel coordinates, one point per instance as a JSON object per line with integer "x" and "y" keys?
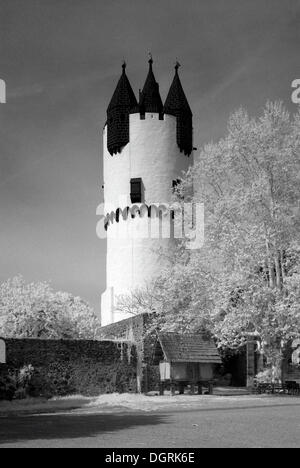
{"x": 140, "y": 210}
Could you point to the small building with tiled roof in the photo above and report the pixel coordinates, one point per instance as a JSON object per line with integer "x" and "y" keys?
{"x": 188, "y": 347}
{"x": 189, "y": 359}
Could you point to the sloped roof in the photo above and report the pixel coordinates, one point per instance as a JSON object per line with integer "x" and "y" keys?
{"x": 123, "y": 96}
{"x": 176, "y": 101}
{"x": 123, "y": 102}
{"x": 188, "y": 348}
{"x": 150, "y": 100}
{"x": 177, "y": 104}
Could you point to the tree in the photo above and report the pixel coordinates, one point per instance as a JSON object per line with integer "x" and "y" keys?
{"x": 172, "y": 299}
{"x": 250, "y": 185}
{"x": 34, "y": 310}
{"x": 246, "y": 277}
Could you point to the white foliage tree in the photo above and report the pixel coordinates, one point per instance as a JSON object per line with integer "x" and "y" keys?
{"x": 34, "y": 310}
{"x": 246, "y": 277}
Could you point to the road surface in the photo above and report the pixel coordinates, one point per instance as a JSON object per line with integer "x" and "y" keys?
{"x": 243, "y": 422}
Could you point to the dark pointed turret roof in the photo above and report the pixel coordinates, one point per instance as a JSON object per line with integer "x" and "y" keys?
{"x": 121, "y": 105}
{"x": 150, "y": 100}
{"x": 176, "y": 100}
{"x": 123, "y": 96}
{"x": 177, "y": 104}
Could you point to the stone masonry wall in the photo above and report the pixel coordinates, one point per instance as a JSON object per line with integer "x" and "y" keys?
{"x": 136, "y": 330}
{"x": 63, "y": 367}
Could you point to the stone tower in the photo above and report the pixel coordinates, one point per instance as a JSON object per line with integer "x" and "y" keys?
{"x": 146, "y": 147}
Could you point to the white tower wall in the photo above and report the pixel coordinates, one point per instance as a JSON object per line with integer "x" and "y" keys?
{"x": 152, "y": 154}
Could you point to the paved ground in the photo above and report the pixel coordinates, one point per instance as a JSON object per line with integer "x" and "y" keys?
{"x": 212, "y": 422}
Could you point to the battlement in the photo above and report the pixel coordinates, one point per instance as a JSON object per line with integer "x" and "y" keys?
{"x": 139, "y": 210}
{"x": 152, "y": 116}
{"x": 146, "y": 117}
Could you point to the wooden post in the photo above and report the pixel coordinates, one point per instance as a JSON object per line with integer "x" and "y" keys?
{"x": 260, "y": 362}
{"x": 139, "y": 368}
{"x": 250, "y": 363}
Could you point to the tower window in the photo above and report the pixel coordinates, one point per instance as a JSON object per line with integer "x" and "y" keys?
{"x": 176, "y": 183}
{"x": 136, "y": 190}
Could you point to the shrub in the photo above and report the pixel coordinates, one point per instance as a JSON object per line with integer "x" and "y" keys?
{"x": 15, "y": 384}
{"x": 8, "y": 386}
{"x": 268, "y": 376}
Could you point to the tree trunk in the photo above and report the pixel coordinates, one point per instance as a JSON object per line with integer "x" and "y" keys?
{"x": 278, "y": 271}
{"x": 282, "y": 262}
{"x": 270, "y": 266}
{"x": 274, "y": 359}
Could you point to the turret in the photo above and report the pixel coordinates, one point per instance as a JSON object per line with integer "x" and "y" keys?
{"x": 121, "y": 105}
{"x": 177, "y": 104}
{"x": 150, "y": 100}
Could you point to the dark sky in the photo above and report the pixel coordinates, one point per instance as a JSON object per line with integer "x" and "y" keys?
{"x": 61, "y": 60}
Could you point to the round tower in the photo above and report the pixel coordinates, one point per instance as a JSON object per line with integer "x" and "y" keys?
{"x": 146, "y": 147}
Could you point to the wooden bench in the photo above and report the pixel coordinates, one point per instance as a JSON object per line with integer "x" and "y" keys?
{"x": 181, "y": 384}
{"x": 289, "y": 387}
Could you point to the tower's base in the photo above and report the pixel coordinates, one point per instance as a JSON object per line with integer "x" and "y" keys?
{"x": 108, "y": 313}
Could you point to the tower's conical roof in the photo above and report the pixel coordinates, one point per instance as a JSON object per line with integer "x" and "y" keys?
{"x": 121, "y": 105}
{"x": 177, "y": 104}
{"x": 150, "y": 100}
{"x": 176, "y": 100}
{"x": 123, "y": 96}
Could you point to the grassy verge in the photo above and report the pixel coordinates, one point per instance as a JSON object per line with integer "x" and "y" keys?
{"x": 37, "y": 405}
{"x": 109, "y": 401}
